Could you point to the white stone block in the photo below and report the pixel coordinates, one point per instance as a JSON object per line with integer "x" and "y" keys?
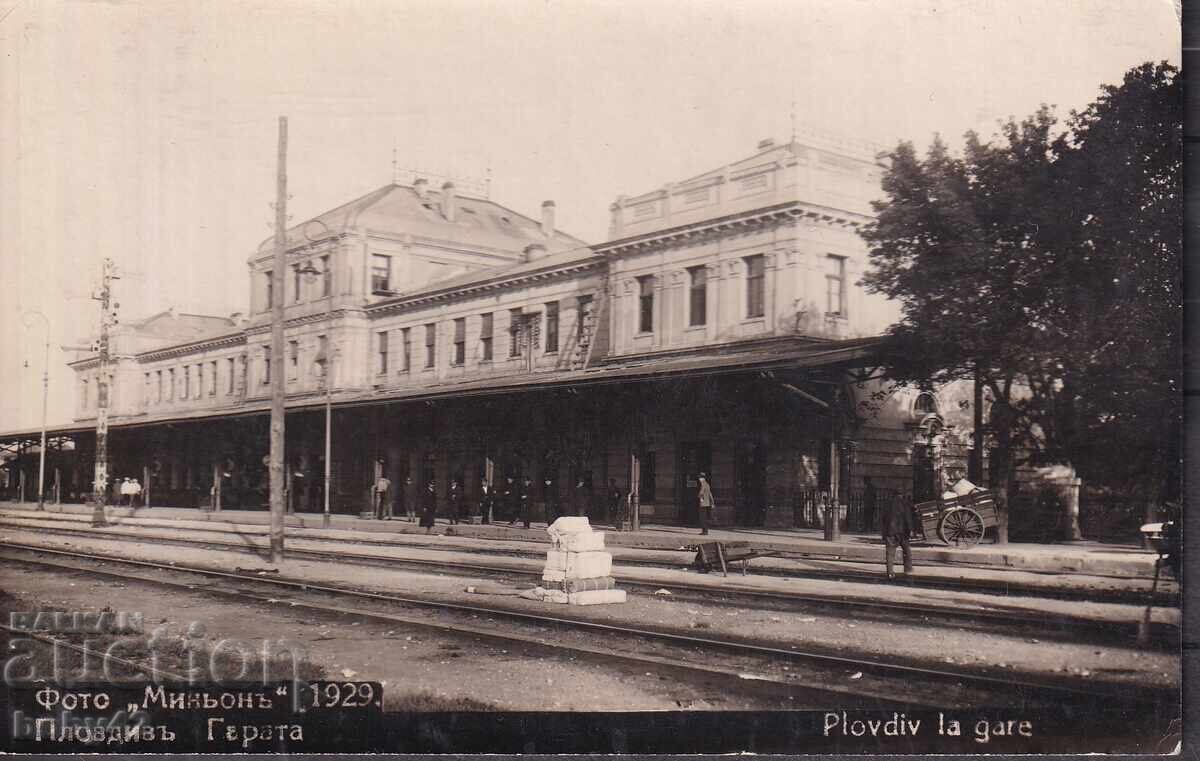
{"x": 597, "y": 597}
{"x": 569, "y": 524}
{"x": 576, "y": 565}
{"x": 589, "y": 542}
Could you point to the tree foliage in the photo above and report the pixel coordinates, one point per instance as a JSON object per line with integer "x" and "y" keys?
{"x": 1048, "y": 261}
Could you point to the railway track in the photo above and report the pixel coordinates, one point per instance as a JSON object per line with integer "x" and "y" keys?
{"x": 988, "y": 587}
{"x": 1007, "y": 620}
{"x": 823, "y": 673}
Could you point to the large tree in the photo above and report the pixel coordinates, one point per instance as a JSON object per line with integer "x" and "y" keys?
{"x": 1045, "y": 264}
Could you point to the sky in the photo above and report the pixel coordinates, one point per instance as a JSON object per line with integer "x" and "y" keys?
{"x": 146, "y": 131}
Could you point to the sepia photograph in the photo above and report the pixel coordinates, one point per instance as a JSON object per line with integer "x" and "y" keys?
{"x": 542, "y": 377}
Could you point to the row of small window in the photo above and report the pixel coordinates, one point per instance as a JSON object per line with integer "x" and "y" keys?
{"x": 160, "y": 385}
{"x": 835, "y": 292}
{"x": 299, "y": 272}
{"x": 525, "y": 330}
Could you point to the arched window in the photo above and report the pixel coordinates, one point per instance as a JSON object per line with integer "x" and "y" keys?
{"x": 924, "y": 404}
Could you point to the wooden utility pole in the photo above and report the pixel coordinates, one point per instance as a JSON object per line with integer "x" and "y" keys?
{"x": 107, "y": 319}
{"x": 278, "y": 375}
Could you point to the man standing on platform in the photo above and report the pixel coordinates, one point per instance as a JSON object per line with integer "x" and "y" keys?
{"x": 616, "y": 505}
{"x": 704, "y": 497}
{"x": 383, "y": 500}
{"x": 487, "y": 501}
{"x": 429, "y": 506}
{"x": 523, "y": 495}
{"x": 455, "y": 497}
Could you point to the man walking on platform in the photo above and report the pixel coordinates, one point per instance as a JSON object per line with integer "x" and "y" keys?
{"x": 896, "y": 525}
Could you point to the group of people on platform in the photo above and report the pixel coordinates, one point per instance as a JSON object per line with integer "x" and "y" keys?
{"x": 130, "y": 491}
{"x": 510, "y": 501}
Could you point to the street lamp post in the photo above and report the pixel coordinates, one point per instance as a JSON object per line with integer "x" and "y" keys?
{"x": 312, "y": 273}
{"x": 45, "y": 397}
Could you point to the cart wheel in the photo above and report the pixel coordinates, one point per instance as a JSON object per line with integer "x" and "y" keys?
{"x": 961, "y": 526}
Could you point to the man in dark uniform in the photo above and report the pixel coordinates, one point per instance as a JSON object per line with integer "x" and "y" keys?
{"x": 487, "y": 501}
{"x": 896, "y": 524}
{"x": 616, "y": 504}
{"x": 508, "y": 500}
{"x": 429, "y": 507}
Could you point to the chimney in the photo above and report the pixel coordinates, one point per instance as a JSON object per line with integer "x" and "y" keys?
{"x": 765, "y": 144}
{"x": 449, "y": 202}
{"x": 534, "y": 251}
{"x": 420, "y": 185}
{"x": 548, "y": 218}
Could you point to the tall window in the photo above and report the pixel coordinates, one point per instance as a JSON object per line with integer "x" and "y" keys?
{"x": 835, "y": 285}
{"x": 231, "y": 366}
{"x": 199, "y": 380}
{"x": 293, "y": 359}
{"x": 187, "y": 382}
{"x": 551, "y": 327}
{"x": 646, "y": 304}
{"x": 212, "y": 378}
{"x": 583, "y": 323}
{"x": 460, "y": 341}
{"x": 158, "y": 396}
{"x": 297, "y": 283}
{"x": 381, "y": 273}
{"x": 485, "y": 336}
{"x": 326, "y": 276}
{"x": 381, "y": 362}
{"x": 697, "y": 295}
{"x": 146, "y": 389}
{"x": 170, "y": 384}
{"x": 270, "y": 290}
{"x": 430, "y": 344}
{"x": 755, "y": 285}
{"x": 266, "y": 366}
{"x": 406, "y": 344}
{"x": 514, "y": 332}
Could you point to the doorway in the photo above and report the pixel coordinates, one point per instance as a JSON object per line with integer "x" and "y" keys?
{"x": 750, "y": 474}
{"x": 695, "y": 457}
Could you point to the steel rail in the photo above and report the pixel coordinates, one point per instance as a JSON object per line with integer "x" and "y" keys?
{"x": 1123, "y": 693}
{"x": 1040, "y": 620}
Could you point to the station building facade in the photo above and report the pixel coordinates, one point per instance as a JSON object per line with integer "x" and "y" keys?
{"x": 720, "y": 329}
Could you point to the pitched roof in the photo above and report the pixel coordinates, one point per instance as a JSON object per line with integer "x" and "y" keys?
{"x": 397, "y": 208}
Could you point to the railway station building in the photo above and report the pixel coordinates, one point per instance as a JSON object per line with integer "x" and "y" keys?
{"x": 720, "y": 329}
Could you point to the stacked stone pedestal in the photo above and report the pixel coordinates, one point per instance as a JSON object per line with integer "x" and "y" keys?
{"x": 578, "y": 571}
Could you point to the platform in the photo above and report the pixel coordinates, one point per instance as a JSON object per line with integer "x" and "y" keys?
{"x": 1077, "y": 557}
